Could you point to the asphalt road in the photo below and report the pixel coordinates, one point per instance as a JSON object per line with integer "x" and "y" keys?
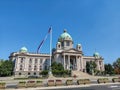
{"x": 100, "y": 87}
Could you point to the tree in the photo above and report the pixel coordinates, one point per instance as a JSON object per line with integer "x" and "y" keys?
{"x": 109, "y": 69}
{"x": 6, "y": 68}
{"x": 90, "y": 67}
{"x": 116, "y": 65}
{"x": 87, "y": 67}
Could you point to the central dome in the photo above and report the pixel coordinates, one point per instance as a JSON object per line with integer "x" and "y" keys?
{"x": 65, "y": 36}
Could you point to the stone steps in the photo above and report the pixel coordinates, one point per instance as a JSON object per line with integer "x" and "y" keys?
{"x": 80, "y": 74}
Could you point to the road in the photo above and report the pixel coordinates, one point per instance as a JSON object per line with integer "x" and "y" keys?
{"x": 100, "y": 87}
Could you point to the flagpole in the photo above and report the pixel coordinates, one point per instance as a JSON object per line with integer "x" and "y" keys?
{"x": 50, "y": 70}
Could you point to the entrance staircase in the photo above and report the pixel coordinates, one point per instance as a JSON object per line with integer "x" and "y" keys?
{"x": 81, "y": 74}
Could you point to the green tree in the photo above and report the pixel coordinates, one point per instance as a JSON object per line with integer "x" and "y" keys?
{"x": 87, "y": 67}
{"x": 6, "y": 68}
{"x": 109, "y": 69}
{"x": 90, "y": 66}
{"x": 116, "y": 65}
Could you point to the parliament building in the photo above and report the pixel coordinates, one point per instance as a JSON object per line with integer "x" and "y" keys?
{"x": 31, "y": 64}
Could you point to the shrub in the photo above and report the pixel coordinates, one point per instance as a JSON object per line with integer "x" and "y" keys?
{"x": 2, "y": 85}
{"x": 39, "y": 81}
{"x": 51, "y": 83}
{"x": 30, "y": 84}
{"x": 83, "y": 81}
{"x": 69, "y": 82}
{"x": 58, "y": 82}
{"x": 116, "y": 79}
{"x": 21, "y": 84}
{"x": 102, "y": 80}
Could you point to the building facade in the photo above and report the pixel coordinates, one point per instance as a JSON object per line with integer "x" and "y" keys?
{"x": 73, "y": 58}
{"x": 30, "y": 64}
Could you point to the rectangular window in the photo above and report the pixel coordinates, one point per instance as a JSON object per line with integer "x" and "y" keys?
{"x": 41, "y": 61}
{"x": 67, "y": 43}
{"x": 36, "y": 60}
{"x": 30, "y": 60}
{"x": 62, "y": 43}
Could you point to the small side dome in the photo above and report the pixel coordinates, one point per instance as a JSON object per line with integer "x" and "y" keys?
{"x": 58, "y": 42}
{"x": 96, "y": 54}
{"x": 23, "y": 49}
{"x": 79, "y": 44}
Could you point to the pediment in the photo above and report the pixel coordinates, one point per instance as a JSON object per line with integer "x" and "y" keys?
{"x": 72, "y": 51}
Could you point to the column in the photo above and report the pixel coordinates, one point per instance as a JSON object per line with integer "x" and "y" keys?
{"x": 82, "y": 63}
{"x": 74, "y": 64}
{"x": 64, "y": 61}
{"x": 98, "y": 66}
{"x": 103, "y": 69}
{"x": 69, "y": 61}
{"x": 77, "y": 66}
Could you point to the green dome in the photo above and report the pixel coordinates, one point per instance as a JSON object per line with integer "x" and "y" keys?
{"x": 23, "y": 49}
{"x": 64, "y": 36}
{"x": 96, "y": 54}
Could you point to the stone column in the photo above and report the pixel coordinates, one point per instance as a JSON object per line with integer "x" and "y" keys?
{"x": 98, "y": 66}
{"x": 74, "y": 64}
{"x": 81, "y": 63}
{"x": 103, "y": 69}
{"x": 77, "y": 66}
{"x": 69, "y": 61}
{"x": 64, "y": 61}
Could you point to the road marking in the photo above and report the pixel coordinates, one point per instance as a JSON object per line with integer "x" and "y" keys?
{"x": 113, "y": 86}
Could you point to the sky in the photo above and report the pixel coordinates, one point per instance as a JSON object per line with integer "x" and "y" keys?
{"x": 95, "y": 24}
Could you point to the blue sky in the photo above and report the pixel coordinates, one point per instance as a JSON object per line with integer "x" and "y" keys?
{"x": 93, "y": 23}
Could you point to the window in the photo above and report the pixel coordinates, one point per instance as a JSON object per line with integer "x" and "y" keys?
{"x": 19, "y": 73}
{"x": 58, "y": 46}
{"x": 35, "y": 67}
{"x": 41, "y": 60}
{"x": 36, "y": 60}
{"x": 30, "y": 67}
{"x": 21, "y": 67}
{"x": 62, "y": 43}
{"x": 28, "y": 73}
{"x": 30, "y": 61}
{"x": 100, "y": 62}
{"x": 34, "y": 73}
{"x": 21, "y": 61}
{"x": 40, "y": 67}
{"x": 67, "y": 43}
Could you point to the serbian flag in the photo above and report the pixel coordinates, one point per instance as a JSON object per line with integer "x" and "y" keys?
{"x": 49, "y": 31}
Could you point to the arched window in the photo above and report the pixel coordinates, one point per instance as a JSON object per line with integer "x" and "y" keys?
{"x": 28, "y": 73}
{"x": 58, "y": 46}
{"x": 19, "y": 73}
{"x": 34, "y": 73}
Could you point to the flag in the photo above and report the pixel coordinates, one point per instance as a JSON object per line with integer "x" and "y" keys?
{"x": 49, "y": 31}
